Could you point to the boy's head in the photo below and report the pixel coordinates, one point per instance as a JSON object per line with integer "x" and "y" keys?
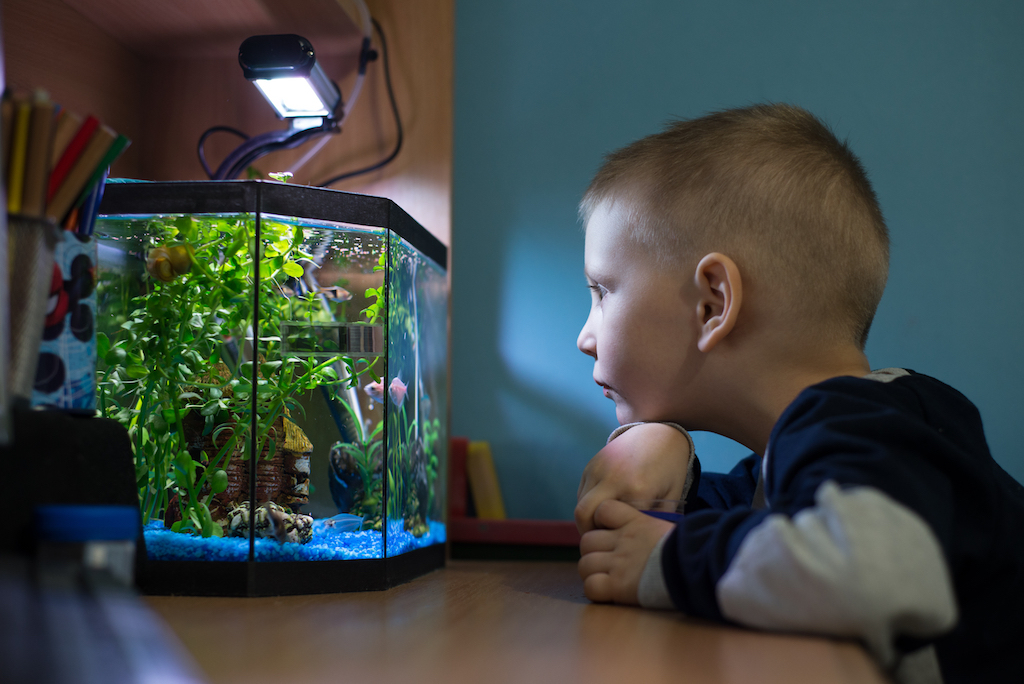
{"x": 772, "y": 188}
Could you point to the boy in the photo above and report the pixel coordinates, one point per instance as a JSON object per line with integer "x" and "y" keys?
{"x": 736, "y": 262}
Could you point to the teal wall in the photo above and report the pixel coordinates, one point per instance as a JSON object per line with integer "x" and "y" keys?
{"x": 928, "y": 92}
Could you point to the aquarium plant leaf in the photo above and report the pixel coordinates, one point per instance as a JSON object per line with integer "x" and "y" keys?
{"x": 102, "y": 345}
{"x": 115, "y": 356}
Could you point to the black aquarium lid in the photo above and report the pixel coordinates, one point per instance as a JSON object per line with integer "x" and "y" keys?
{"x": 270, "y": 197}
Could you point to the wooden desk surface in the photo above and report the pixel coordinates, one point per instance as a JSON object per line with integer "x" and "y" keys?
{"x": 482, "y": 621}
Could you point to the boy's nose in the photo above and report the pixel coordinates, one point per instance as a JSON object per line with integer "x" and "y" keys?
{"x": 586, "y": 342}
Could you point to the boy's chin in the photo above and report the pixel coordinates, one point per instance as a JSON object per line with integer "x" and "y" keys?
{"x": 626, "y": 415}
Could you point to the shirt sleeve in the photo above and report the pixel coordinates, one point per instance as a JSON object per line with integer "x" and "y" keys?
{"x": 854, "y": 540}
{"x": 722, "y": 491}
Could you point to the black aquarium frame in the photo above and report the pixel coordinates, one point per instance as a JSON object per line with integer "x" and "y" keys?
{"x": 258, "y": 197}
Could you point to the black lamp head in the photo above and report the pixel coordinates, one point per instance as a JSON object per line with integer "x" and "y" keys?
{"x": 284, "y": 68}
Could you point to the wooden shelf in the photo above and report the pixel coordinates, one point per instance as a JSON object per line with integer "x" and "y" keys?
{"x": 190, "y": 28}
{"x": 519, "y": 532}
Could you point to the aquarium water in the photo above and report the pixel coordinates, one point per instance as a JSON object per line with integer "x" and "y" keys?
{"x": 303, "y": 359}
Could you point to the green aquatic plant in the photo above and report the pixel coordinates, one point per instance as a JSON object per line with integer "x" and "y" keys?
{"x": 177, "y": 358}
{"x": 365, "y": 453}
{"x": 431, "y": 435}
{"x": 412, "y": 437}
{"x": 412, "y": 469}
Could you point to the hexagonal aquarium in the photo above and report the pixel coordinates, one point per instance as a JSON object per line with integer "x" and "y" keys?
{"x": 278, "y": 355}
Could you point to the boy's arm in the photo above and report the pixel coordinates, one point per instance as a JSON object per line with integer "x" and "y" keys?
{"x": 722, "y": 491}
{"x": 648, "y": 461}
{"x": 856, "y": 539}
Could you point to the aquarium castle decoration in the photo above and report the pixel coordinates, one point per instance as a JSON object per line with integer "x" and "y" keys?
{"x": 278, "y": 355}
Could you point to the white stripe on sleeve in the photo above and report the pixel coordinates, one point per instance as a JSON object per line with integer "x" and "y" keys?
{"x": 857, "y": 564}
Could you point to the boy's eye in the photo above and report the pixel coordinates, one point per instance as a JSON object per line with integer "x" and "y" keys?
{"x": 598, "y": 291}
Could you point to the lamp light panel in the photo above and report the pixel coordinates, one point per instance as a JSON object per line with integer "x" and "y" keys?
{"x": 292, "y": 97}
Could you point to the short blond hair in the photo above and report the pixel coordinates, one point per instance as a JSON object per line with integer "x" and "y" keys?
{"x": 774, "y": 189}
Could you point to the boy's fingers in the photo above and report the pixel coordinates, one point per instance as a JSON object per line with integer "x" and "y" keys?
{"x": 588, "y": 503}
{"x": 611, "y": 514}
{"x": 584, "y": 511}
{"x": 598, "y": 588}
{"x": 596, "y": 541}
{"x": 595, "y": 571}
{"x": 592, "y": 563}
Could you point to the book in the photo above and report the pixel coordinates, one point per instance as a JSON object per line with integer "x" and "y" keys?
{"x": 72, "y": 152}
{"x": 68, "y": 124}
{"x": 84, "y": 168}
{"x": 37, "y": 158}
{"x": 19, "y": 150}
{"x": 483, "y": 482}
{"x": 458, "y": 488}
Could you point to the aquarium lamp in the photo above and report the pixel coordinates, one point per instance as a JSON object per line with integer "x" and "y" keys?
{"x": 284, "y": 69}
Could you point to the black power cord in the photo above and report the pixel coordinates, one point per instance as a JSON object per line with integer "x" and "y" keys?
{"x": 238, "y": 160}
{"x": 200, "y": 148}
{"x": 394, "y": 109}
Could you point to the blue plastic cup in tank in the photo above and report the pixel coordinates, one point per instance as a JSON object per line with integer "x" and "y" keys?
{"x": 94, "y": 537}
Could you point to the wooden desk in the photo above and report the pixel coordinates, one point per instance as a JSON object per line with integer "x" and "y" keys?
{"x": 488, "y": 622}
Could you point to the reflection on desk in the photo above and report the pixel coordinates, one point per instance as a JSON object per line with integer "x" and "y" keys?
{"x": 478, "y": 622}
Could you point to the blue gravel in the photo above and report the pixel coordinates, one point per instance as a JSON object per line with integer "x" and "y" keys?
{"x": 162, "y": 544}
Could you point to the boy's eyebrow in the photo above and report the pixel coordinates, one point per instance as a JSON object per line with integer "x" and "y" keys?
{"x": 595, "y": 277}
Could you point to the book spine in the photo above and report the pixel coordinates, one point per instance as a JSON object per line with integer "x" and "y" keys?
{"x": 458, "y": 488}
{"x": 483, "y": 481}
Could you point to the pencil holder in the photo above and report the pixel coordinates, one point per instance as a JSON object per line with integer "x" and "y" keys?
{"x": 31, "y": 243}
{"x": 65, "y": 373}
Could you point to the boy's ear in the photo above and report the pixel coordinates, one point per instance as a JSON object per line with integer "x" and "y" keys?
{"x": 720, "y": 294}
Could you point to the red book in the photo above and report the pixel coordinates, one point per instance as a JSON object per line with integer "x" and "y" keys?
{"x": 458, "y": 486}
{"x": 71, "y": 154}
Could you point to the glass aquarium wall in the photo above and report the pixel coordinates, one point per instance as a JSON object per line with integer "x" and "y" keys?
{"x": 278, "y": 355}
{"x": 417, "y": 365}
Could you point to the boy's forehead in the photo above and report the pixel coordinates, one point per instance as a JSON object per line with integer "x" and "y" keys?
{"x": 608, "y": 221}
{"x": 604, "y": 228}
{"x": 608, "y": 245}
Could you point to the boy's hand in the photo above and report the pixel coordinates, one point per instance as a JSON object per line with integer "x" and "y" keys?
{"x": 614, "y": 556}
{"x": 646, "y": 462}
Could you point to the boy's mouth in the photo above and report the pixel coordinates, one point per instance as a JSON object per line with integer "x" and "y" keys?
{"x": 607, "y": 389}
